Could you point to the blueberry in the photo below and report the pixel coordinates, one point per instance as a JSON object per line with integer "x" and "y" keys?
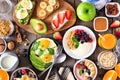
{"x": 89, "y": 78}
{"x": 86, "y": 39}
{"x": 84, "y": 34}
{"x": 82, "y": 41}
{"x": 19, "y": 73}
{"x": 88, "y": 71}
{"x": 82, "y": 62}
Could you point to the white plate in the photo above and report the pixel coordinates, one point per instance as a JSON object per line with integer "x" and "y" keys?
{"x": 80, "y": 56}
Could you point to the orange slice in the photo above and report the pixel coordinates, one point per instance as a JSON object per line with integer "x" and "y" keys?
{"x": 117, "y": 69}
{"x": 3, "y": 75}
{"x": 110, "y": 75}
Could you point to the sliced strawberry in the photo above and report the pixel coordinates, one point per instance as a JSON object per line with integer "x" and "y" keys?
{"x": 115, "y": 24}
{"x": 68, "y": 14}
{"x": 56, "y": 23}
{"x": 77, "y": 31}
{"x": 61, "y": 17}
{"x": 78, "y": 65}
{"x": 83, "y": 67}
{"x": 57, "y": 36}
{"x": 117, "y": 32}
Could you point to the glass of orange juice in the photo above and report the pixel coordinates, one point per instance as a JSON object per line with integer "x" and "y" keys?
{"x": 107, "y": 41}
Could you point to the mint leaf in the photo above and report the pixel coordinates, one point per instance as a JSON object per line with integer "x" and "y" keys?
{"x": 51, "y": 51}
{"x": 76, "y": 42}
{"x": 35, "y": 46}
{"x": 80, "y": 70}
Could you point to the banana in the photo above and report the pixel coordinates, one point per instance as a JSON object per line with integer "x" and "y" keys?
{"x": 43, "y": 5}
{"x": 42, "y": 13}
{"x": 52, "y": 2}
{"x": 25, "y": 77}
{"x": 49, "y": 8}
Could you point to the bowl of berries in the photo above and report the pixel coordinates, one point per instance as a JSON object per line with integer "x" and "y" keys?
{"x": 85, "y": 70}
{"x": 24, "y": 73}
{"x": 79, "y": 42}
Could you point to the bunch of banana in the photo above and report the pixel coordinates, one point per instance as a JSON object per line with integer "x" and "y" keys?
{"x": 46, "y": 7}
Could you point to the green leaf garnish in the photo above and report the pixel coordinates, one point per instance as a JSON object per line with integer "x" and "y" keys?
{"x": 80, "y": 70}
{"x": 76, "y": 42}
{"x": 51, "y": 51}
{"x": 35, "y": 46}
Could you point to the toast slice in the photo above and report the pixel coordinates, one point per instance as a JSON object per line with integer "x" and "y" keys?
{"x": 46, "y": 7}
{"x": 23, "y": 11}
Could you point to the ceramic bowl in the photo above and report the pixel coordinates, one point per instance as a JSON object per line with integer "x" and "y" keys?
{"x": 9, "y": 61}
{"x": 85, "y": 70}
{"x": 111, "y": 15}
{"x": 96, "y": 24}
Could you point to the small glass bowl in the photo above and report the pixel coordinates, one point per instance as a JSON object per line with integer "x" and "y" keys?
{"x": 11, "y": 25}
{"x": 107, "y": 57}
{"x": 5, "y": 45}
{"x": 5, "y": 7}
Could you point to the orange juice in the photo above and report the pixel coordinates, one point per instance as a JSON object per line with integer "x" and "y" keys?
{"x": 109, "y": 41}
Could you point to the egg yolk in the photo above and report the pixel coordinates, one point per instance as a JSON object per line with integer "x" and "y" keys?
{"x": 46, "y": 58}
{"x": 44, "y": 43}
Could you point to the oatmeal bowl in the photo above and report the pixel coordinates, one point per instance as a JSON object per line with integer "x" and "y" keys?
{"x": 107, "y": 60}
{"x": 85, "y": 70}
{"x": 79, "y": 42}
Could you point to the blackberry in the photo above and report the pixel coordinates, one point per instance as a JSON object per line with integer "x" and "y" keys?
{"x": 88, "y": 71}
{"x": 90, "y": 78}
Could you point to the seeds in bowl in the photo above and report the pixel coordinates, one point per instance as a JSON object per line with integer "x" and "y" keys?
{"x": 5, "y": 27}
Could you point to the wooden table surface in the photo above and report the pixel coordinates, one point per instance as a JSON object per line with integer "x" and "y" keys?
{"x": 23, "y": 53}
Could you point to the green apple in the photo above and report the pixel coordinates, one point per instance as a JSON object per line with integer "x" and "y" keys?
{"x": 86, "y": 11}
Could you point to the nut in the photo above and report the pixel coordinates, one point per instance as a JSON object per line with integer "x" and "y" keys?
{"x": 11, "y": 45}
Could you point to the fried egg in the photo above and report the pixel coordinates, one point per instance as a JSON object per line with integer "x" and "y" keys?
{"x": 22, "y": 13}
{"x": 27, "y": 4}
{"x": 46, "y": 43}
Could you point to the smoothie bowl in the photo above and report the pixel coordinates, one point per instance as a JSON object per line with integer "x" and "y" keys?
{"x": 24, "y": 73}
{"x": 85, "y": 70}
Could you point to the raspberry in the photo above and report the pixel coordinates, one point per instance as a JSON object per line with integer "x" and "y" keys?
{"x": 24, "y": 71}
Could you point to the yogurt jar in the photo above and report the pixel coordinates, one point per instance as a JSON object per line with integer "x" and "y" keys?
{"x": 9, "y": 61}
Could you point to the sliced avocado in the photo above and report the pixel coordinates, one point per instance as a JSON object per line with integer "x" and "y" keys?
{"x": 38, "y": 26}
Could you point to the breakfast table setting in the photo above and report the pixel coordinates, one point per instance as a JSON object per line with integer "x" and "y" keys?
{"x": 59, "y": 39}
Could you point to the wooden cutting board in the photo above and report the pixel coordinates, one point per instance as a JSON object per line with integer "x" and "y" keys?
{"x": 63, "y": 6}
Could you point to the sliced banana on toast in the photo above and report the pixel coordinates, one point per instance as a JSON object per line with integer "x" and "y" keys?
{"x": 49, "y": 8}
{"x": 46, "y": 7}
{"x": 52, "y": 2}
{"x": 43, "y": 4}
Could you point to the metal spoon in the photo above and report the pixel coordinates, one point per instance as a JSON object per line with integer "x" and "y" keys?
{"x": 61, "y": 58}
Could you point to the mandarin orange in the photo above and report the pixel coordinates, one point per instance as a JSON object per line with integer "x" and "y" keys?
{"x": 110, "y": 75}
{"x": 117, "y": 69}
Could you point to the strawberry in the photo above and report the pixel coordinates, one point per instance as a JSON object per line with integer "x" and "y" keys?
{"x": 115, "y": 24}
{"x": 68, "y": 14}
{"x": 24, "y": 71}
{"x": 57, "y": 36}
{"x": 56, "y": 23}
{"x": 78, "y": 65}
{"x": 117, "y": 32}
{"x": 61, "y": 17}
